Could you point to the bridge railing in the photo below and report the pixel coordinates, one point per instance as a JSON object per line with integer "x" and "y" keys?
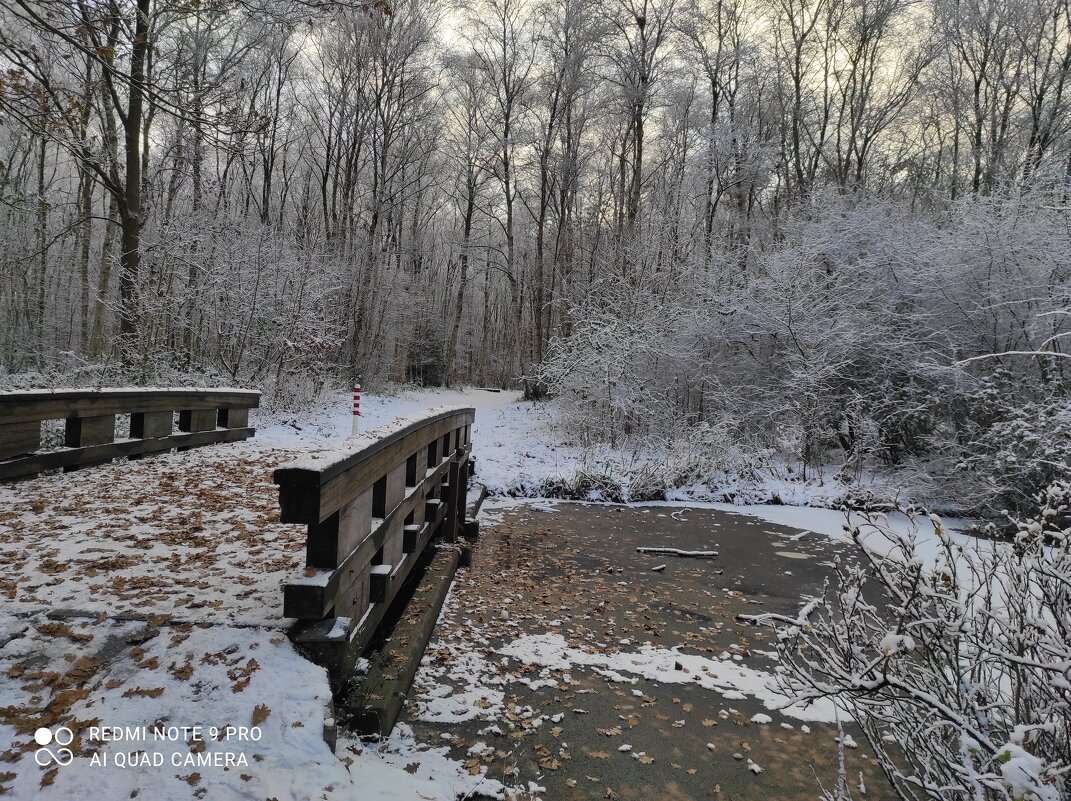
{"x": 371, "y": 508}
{"x": 160, "y": 419}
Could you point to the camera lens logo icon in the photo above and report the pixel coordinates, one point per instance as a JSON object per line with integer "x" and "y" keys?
{"x": 44, "y": 755}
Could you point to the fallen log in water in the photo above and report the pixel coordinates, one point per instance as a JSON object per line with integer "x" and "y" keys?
{"x": 680, "y": 553}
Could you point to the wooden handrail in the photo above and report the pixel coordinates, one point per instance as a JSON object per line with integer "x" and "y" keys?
{"x": 204, "y": 416}
{"x": 371, "y": 507}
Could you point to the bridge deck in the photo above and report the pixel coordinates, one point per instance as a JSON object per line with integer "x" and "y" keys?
{"x": 194, "y": 535}
{"x": 149, "y": 592}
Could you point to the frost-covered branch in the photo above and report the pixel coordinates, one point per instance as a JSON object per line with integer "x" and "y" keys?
{"x": 956, "y": 664}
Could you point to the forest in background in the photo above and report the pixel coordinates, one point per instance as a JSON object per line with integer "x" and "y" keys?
{"x": 810, "y": 231}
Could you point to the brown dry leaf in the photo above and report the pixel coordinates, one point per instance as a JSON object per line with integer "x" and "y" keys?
{"x": 643, "y": 759}
{"x": 182, "y": 673}
{"x": 260, "y": 714}
{"x": 598, "y": 754}
{"x": 613, "y": 732}
{"x": 708, "y": 723}
{"x": 134, "y": 692}
{"x": 550, "y": 763}
{"x": 193, "y": 779}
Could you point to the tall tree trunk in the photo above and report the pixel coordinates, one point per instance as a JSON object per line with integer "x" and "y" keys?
{"x": 130, "y": 208}
{"x": 100, "y": 305}
{"x": 42, "y": 250}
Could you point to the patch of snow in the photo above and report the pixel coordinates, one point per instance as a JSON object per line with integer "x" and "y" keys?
{"x": 732, "y": 680}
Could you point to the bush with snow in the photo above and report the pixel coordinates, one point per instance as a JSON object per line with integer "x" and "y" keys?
{"x": 957, "y": 668}
{"x": 858, "y": 340}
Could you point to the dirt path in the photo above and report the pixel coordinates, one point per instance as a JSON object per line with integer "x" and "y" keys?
{"x": 540, "y": 671}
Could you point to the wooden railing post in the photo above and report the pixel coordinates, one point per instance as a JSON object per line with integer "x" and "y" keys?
{"x": 81, "y": 432}
{"x": 19, "y": 438}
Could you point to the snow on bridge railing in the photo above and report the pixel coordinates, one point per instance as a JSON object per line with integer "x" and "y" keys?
{"x": 204, "y": 416}
{"x": 372, "y": 505}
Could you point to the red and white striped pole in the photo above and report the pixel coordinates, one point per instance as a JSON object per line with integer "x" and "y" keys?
{"x": 356, "y": 408}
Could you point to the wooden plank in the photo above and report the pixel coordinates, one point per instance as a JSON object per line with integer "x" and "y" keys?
{"x": 194, "y": 420}
{"x": 411, "y": 533}
{"x": 19, "y": 407}
{"x": 337, "y": 653}
{"x": 381, "y": 694}
{"x": 329, "y": 543}
{"x": 461, "y": 495}
{"x": 434, "y": 511}
{"x": 303, "y": 499}
{"x": 415, "y": 467}
{"x": 234, "y": 418}
{"x": 352, "y": 599}
{"x": 450, "y": 502}
{"x": 307, "y": 598}
{"x": 396, "y": 493}
{"x": 309, "y": 496}
{"x": 150, "y": 425}
{"x": 379, "y": 581}
{"x": 83, "y": 431}
{"x": 19, "y": 438}
{"x": 37, "y": 462}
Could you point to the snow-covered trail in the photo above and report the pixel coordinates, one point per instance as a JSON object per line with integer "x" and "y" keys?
{"x": 513, "y": 441}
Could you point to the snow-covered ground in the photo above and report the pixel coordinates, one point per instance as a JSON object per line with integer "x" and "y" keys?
{"x": 513, "y": 441}
{"x": 189, "y": 544}
{"x": 519, "y": 447}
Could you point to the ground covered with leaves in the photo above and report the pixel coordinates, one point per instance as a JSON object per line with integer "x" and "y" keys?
{"x": 570, "y": 664}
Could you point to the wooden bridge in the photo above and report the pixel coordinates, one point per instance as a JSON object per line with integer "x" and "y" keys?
{"x": 371, "y": 507}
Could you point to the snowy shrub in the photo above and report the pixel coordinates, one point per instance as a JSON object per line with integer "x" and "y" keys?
{"x": 955, "y": 660}
{"x": 590, "y": 482}
{"x": 1014, "y": 451}
{"x": 867, "y": 499}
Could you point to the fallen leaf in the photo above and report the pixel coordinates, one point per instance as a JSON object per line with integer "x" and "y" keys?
{"x": 260, "y": 714}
